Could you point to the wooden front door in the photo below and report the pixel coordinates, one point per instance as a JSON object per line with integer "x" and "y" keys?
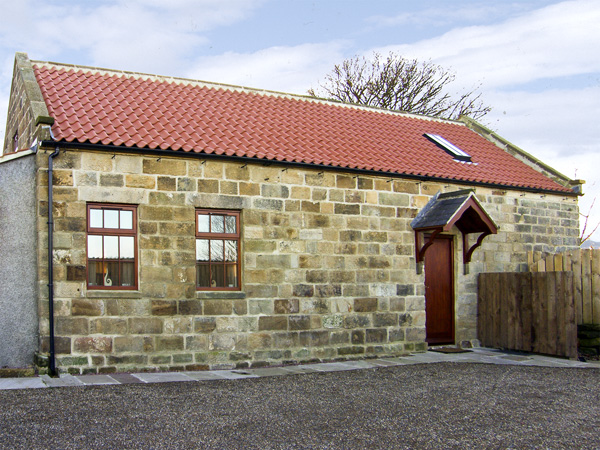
{"x": 439, "y": 291}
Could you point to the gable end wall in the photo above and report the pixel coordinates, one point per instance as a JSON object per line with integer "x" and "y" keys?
{"x": 26, "y": 108}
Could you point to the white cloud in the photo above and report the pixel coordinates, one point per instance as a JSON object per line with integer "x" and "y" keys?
{"x": 558, "y": 127}
{"x": 556, "y": 122}
{"x": 287, "y": 69}
{"x": 153, "y": 36}
{"x": 554, "y": 41}
{"x": 435, "y": 15}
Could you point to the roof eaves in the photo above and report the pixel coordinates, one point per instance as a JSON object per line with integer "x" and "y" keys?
{"x": 245, "y": 159}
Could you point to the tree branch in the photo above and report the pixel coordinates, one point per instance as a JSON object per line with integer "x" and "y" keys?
{"x": 399, "y": 84}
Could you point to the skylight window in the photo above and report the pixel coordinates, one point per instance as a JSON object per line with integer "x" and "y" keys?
{"x": 449, "y": 147}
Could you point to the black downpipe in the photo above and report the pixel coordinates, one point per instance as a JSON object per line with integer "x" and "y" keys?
{"x": 52, "y": 365}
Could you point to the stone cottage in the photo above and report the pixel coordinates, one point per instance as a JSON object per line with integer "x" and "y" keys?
{"x": 197, "y": 226}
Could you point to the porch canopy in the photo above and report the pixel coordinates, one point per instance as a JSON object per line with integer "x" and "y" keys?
{"x": 460, "y": 208}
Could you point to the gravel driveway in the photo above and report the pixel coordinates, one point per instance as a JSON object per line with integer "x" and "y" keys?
{"x": 444, "y": 405}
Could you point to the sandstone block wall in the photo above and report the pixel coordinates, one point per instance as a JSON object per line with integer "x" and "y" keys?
{"x": 328, "y": 267}
{"x": 26, "y": 109}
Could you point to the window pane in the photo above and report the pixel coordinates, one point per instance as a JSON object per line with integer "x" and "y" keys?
{"x": 216, "y": 250}
{"x": 96, "y": 218}
{"x": 202, "y": 252}
{"x": 126, "y": 220}
{"x": 111, "y": 218}
{"x": 94, "y": 247}
{"x": 231, "y": 279}
{"x": 230, "y": 224}
{"x": 111, "y": 274}
{"x": 111, "y": 247}
{"x": 231, "y": 251}
{"x": 203, "y": 226}
{"x": 126, "y": 247}
{"x": 217, "y": 258}
{"x": 95, "y": 273}
{"x": 127, "y": 274}
{"x": 203, "y": 275}
{"x": 216, "y": 222}
{"x": 217, "y": 278}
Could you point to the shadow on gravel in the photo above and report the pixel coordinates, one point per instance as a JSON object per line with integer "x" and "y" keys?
{"x": 444, "y": 405}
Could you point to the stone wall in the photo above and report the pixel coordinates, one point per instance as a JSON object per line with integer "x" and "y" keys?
{"x": 18, "y": 277}
{"x": 527, "y": 221}
{"x": 26, "y": 109}
{"x": 328, "y": 268}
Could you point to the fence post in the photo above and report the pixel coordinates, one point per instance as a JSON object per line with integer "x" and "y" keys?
{"x": 586, "y": 285}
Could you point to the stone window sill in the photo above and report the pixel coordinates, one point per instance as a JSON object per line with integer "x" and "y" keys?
{"x": 228, "y": 295}
{"x": 113, "y": 294}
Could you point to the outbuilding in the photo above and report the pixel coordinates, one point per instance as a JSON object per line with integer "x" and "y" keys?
{"x": 159, "y": 223}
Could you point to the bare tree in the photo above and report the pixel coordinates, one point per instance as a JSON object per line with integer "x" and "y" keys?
{"x": 399, "y": 84}
{"x": 585, "y": 235}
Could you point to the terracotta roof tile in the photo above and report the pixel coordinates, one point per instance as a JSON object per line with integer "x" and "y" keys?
{"x": 134, "y": 110}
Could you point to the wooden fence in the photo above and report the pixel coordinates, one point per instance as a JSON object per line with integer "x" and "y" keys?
{"x": 528, "y": 311}
{"x": 585, "y": 265}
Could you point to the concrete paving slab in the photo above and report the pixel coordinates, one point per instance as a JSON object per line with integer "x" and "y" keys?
{"x": 403, "y": 360}
{"x": 303, "y": 368}
{"x": 545, "y": 362}
{"x": 270, "y": 371}
{"x": 559, "y": 362}
{"x": 125, "y": 378}
{"x": 383, "y": 363}
{"x": 486, "y": 352}
{"x": 64, "y": 380}
{"x": 162, "y": 377}
{"x": 541, "y": 363}
{"x": 516, "y": 358}
{"x": 90, "y": 380}
{"x": 332, "y": 367}
{"x": 428, "y": 357}
{"x": 21, "y": 383}
{"x": 234, "y": 374}
{"x": 361, "y": 364}
{"x": 204, "y": 375}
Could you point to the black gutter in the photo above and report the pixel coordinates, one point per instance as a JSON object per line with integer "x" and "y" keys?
{"x": 52, "y": 362}
{"x": 303, "y": 165}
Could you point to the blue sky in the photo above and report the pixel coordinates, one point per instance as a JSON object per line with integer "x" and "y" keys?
{"x": 536, "y": 61}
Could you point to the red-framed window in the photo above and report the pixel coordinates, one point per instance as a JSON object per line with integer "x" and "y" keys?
{"x": 217, "y": 250}
{"x": 111, "y": 246}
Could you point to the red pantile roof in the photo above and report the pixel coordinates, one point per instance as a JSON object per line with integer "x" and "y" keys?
{"x": 133, "y": 110}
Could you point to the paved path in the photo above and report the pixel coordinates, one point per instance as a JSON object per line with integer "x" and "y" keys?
{"x": 476, "y": 355}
